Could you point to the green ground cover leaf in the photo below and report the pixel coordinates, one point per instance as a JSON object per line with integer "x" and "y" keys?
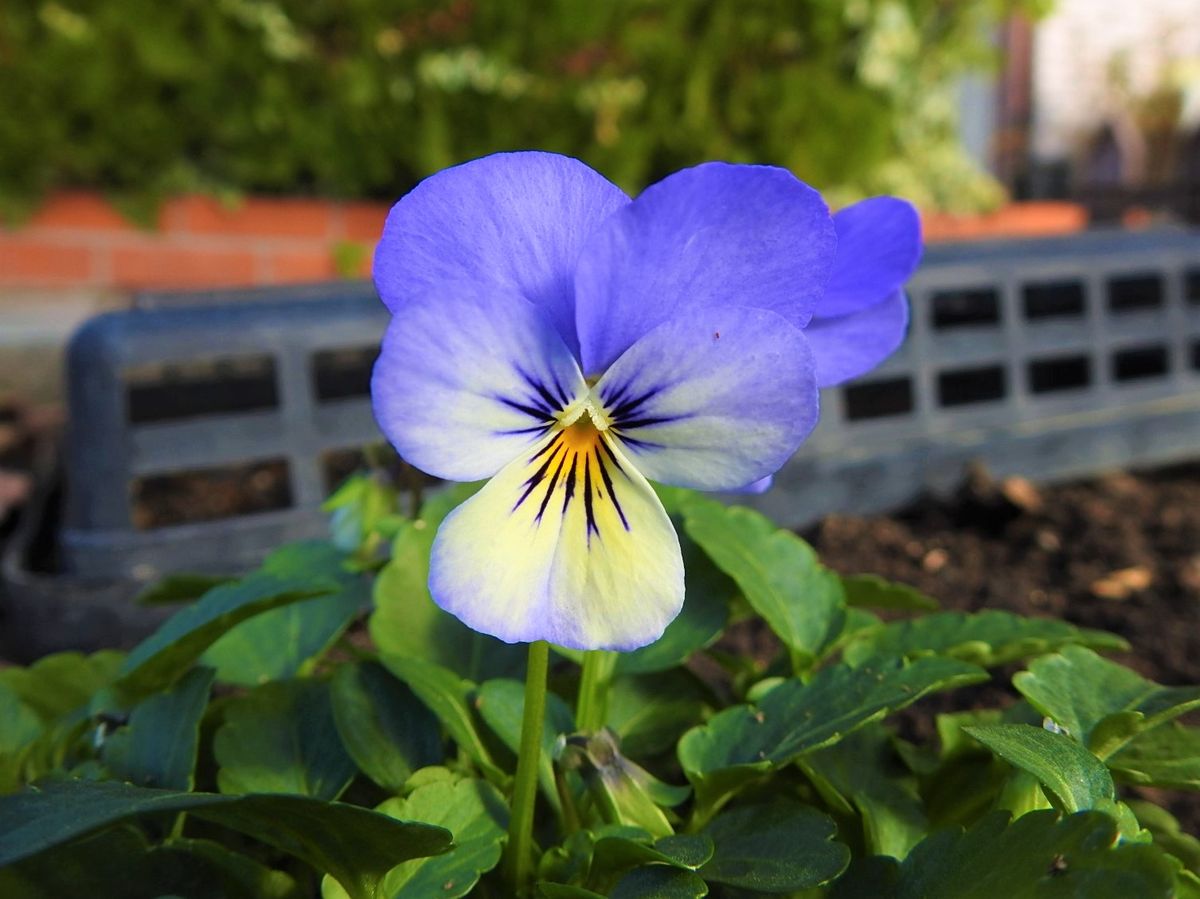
{"x": 865, "y": 773}
{"x": 870, "y": 591}
{"x": 1102, "y": 704}
{"x": 63, "y": 683}
{"x": 407, "y": 622}
{"x": 988, "y": 638}
{"x": 165, "y": 655}
{"x": 501, "y": 704}
{"x": 650, "y": 712}
{"x": 1037, "y": 856}
{"x": 1077, "y": 779}
{"x": 473, "y": 811}
{"x": 355, "y": 846}
{"x": 779, "y": 574}
{"x": 158, "y": 747}
{"x": 386, "y": 730}
{"x": 448, "y": 696}
{"x": 743, "y": 742}
{"x": 774, "y": 847}
{"x": 285, "y": 642}
{"x": 1167, "y": 756}
{"x": 659, "y": 882}
{"x": 120, "y": 863}
{"x": 19, "y": 724}
{"x": 180, "y": 587}
{"x": 282, "y": 738}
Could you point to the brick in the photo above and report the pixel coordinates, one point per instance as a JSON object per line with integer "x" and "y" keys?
{"x": 79, "y": 210}
{"x": 297, "y": 266}
{"x": 363, "y": 221}
{"x": 252, "y": 217}
{"x": 151, "y": 265}
{"x": 1032, "y": 219}
{"x": 27, "y": 260}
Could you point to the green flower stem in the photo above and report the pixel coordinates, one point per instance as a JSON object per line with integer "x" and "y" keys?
{"x": 518, "y": 861}
{"x": 591, "y": 708}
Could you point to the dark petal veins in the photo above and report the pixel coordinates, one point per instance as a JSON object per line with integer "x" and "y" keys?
{"x": 553, "y": 481}
{"x": 570, "y": 482}
{"x": 608, "y": 480}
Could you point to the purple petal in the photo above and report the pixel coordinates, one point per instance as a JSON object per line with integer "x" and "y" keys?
{"x": 469, "y": 378}
{"x": 878, "y": 248}
{"x": 710, "y": 236}
{"x": 512, "y": 220}
{"x": 762, "y": 485}
{"x": 715, "y": 399}
{"x": 847, "y": 346}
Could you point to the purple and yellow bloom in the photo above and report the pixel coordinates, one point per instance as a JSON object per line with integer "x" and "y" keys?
{"x": 571, "y": 344}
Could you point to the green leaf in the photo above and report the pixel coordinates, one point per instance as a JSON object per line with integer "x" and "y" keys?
{"x": 1037, "y": 856}
{"x": 60, "y": 684}
{"x": 282, "y": 738}
{"x": 157, "y": 748}
{"x": 870, "y": 591}
{"x": 658, "y": 882}
{"x": 353, "y": 845}
{"x": 406, "y": 622}
{"x": 1077, "y": 779}
{"x": 622, "y": 791}
{"x": 387, "y": 731}
{"x": 774, "y": 847}
{"x": 501, "y": 704}
{"x": 988, "y": 638}
{"x": 1167, "y": 833}
{"x": 1102, "y": 704}
{"x": 448, "y": 697}
{"x": 744, "y": 741}
{"x": 1168, "y": 756}
{"x": 778, "y": 573}
{"x": 863, "y": 770}
{"x": 166, "y": 654}
{"x": 649, "y": 713}
{"x": 618, "y": 853}
{"x": 285, "y": 642}
{"x": 120, "y": 864}
{"x": 19, "y": 724}
{"x": 181, "y": 587}
{"x": 473, "y": 811}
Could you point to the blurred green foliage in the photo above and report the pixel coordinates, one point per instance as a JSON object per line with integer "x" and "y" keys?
{"x": 361, "y": 98}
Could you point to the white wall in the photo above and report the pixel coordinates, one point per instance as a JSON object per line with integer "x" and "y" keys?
{"x": 1072, "y": 49}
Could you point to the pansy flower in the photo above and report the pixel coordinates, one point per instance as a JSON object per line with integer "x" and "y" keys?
{"x": 570, "y": 345}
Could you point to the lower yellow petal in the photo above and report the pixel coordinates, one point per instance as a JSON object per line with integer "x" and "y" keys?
{"x": 567, "y": 544}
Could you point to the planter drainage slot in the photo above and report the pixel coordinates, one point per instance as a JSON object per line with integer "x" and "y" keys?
{"x": 1013, "y": 348}
{"x": 1059, "y": 374}
{"x": 965, "y": 308}
{"x": 200, "y": 387}
{"x": 971, "y": 385}
{"x": 1060, "y": 299}
{"x": 343, "y": 373}
{"x": 1135, "y": 293}
{"x": 210, "y": 494}
{"x": 1139, "y": 363}
{"x": 878, "y": 399}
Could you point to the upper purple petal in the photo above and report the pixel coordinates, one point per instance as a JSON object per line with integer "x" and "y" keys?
{"x": 713, "y": 235}
{"x": 846, "y": 346}
{"x": 878, "y": 248}
{"x": 515, "y": 221}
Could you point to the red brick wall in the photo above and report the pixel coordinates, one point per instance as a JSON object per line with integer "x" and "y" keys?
{"x": 78, "y": 240}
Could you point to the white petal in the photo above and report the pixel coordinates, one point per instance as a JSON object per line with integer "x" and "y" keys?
{"x": 567, "y": 544}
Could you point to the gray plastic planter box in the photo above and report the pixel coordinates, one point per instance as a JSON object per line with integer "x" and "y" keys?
{"x": 1050, "y": 358}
